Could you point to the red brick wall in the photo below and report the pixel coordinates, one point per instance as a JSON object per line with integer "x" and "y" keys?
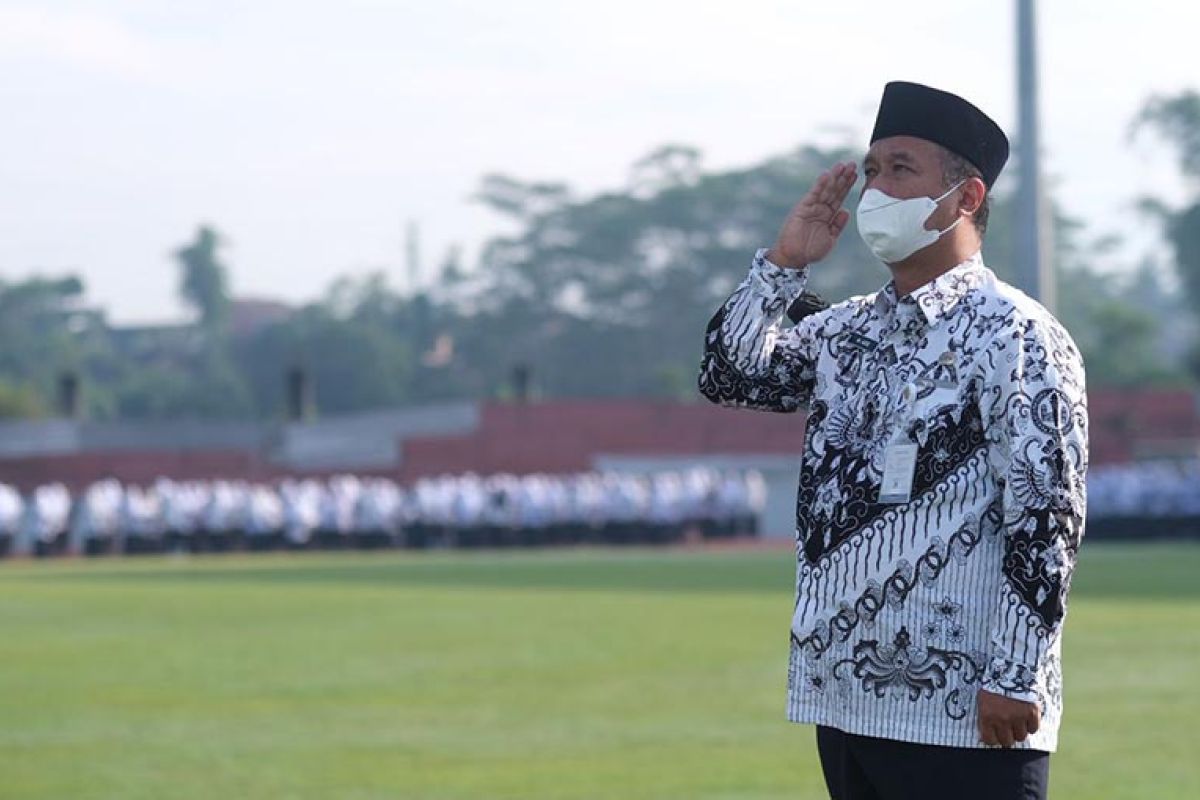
{"x": 564, "y": 436}
{"x": 1124, "y": 421}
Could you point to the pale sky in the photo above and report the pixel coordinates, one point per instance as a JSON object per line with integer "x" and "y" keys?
{"x": 309, "y": 133}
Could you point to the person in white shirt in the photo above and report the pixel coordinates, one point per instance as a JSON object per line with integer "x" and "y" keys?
{"x": 10, "y": 517}
{"x": 942, "y": 496}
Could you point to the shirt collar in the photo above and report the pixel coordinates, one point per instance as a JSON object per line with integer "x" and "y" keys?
{"x": 938, "y": 297}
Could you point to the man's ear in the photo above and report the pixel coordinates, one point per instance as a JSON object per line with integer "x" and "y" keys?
{"x": 974, "y": 190}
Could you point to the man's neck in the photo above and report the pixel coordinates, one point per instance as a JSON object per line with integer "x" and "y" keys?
{"x": 931, "y": 263}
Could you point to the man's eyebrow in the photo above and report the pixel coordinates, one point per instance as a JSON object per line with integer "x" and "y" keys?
{"x": 902, "y": 156}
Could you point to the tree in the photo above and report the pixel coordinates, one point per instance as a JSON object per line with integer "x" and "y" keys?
{"x": 19, "y": 402}
{"x": 204, "y": 283}
{"x": 39, "y": 321}
{"x": 597, "y": 295}
{"x": 609, "y": 294}
{"x": 1176, "y": 119}
{"x": 348, "y": 344}
{"x": 207, "y": 389}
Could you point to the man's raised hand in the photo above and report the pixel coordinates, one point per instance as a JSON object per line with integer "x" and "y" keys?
{"x": 814, "y": 224}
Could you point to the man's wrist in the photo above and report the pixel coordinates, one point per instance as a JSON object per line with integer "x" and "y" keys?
{"x": 780, "y": 260}
{"x": 775, "y": 281}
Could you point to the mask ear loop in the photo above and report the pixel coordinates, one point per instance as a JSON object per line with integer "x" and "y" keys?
{"x": 895, "y": 200}
{"x": 948, "y": 191}
{"x": 943, "y": 197}
{"x": 952, "y": 227}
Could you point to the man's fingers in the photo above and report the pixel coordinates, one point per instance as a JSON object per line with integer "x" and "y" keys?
{"x": 1004, "y": 735}
{"x": 840, "y": 184}
{"x": 1005, "y": 721}
{"x": 830, "y": 182}
{"x": 842, "y": 178}
{"x": 831, "y": 187}
{"x": 824, "y": 190}
{"x": 839, "y": 221}
{"x": 820, "y": 188}
{"x": 819, "y": 213}
{"x": 1001, "y": 731}
{"x": 848, "y": 178}
{"x": 813, "y": 198}
{"x": 988, "y": 733}
{"x": 819, "y": 203}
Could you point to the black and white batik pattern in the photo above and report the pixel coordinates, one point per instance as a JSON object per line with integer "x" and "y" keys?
{"x": 905, "y": 610}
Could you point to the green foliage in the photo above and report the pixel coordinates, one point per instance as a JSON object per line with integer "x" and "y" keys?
{"x": 207, "y": 389}
{"x": 609, "y": 294}
{"x": 1119, "y": 345}
{"x": 1176, "y": 119}
{"x": 347, "y": 345}
{"x": 600, "y": 295}
{"x": 20, "y": 402}
{"x": 35, "y": 320}
{"x": 203, "y": 281}
{"x": 1117, "y": 320}
{"x": 1183, "y": 231}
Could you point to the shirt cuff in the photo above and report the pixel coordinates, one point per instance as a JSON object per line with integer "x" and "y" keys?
{"x": 1011, "y": 679}
{"x": 775, "y": 281}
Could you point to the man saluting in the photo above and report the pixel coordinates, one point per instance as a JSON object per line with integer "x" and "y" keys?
{"x": 941, "y": 499}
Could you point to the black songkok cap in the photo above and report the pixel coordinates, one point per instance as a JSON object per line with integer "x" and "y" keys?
{"x": 910, "y": 109}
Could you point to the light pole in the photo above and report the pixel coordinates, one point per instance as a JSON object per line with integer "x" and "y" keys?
{"x": 1034, "y": 267}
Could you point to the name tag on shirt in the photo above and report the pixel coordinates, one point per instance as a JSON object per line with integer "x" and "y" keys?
{"x": 858, "y": 341}
{"x": 899, "y": 465}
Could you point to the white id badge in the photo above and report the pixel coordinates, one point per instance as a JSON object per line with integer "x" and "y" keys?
{"x": 899, "y": 464}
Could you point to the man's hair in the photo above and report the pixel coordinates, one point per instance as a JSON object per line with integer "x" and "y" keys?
{"x": 955, "y": 168}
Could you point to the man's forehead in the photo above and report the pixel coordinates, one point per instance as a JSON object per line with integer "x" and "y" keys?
{"x": 902, "y": 147}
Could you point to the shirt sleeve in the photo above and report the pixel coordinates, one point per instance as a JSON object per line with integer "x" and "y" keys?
{"x": 1036, "y": 417}
{"x": 750, "y": 360}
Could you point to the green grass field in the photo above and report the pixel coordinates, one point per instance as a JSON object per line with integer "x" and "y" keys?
{"x": 571, "y": 674}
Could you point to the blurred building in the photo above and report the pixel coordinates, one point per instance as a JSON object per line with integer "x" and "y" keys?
{"x": 249, "y": 315}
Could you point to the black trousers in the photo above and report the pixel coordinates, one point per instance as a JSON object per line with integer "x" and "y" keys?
{"x": 866, "y": 768}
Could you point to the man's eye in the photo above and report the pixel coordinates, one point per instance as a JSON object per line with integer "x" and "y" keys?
{"x": 899, "y": 167}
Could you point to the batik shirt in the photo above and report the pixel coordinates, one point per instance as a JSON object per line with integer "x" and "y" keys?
{"x": 904, "y": 610}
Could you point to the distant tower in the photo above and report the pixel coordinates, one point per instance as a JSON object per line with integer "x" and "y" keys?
{"x": 301, "y": 405}
{"x": 1034, "y": 266}
{"x": 522, "y": 376}
{"x": 70, "y": 403}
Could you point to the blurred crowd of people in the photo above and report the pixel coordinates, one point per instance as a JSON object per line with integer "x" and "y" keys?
{"x": 356, "y": 512}
{"x": 1147, "y": 489}
{"x": 475, "y": 511}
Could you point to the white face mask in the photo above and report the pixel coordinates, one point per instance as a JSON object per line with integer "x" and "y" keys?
{"x": 895, "y": 229}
